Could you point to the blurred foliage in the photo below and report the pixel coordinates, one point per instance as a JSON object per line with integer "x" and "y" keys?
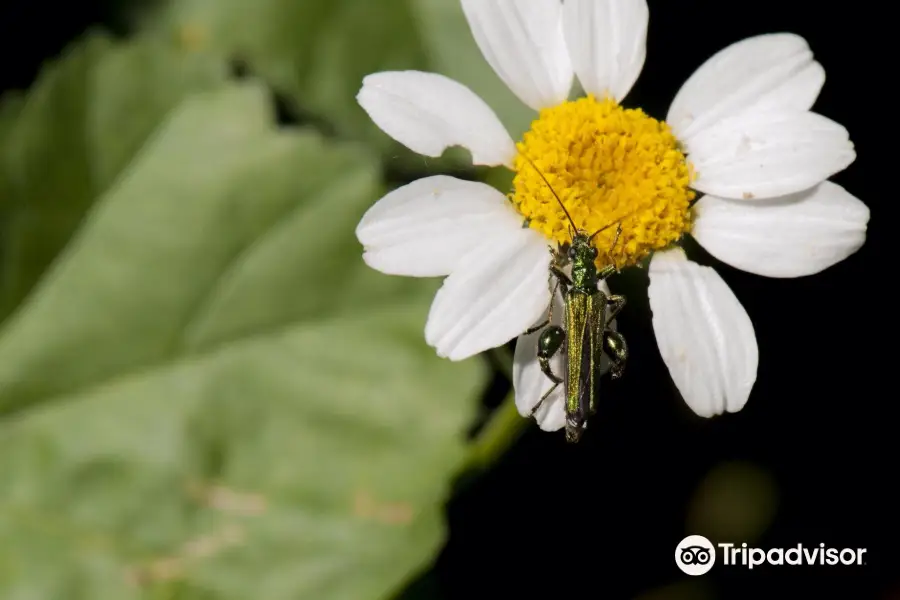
{"x": 317, "y": 52}
{"x": 84, "y": 120}
{"x": 735, "y": 501}
{"x": 692, "y": 589}
{"x": 206, "y": 393}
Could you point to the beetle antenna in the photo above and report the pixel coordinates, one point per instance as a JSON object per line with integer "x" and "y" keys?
{"x": 611, "y": 223}
{"x": 552, "y": 191}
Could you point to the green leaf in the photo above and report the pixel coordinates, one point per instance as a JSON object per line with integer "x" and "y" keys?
{"x": 318, "y": 52}
{"x": 10, "y": 107}
{"x": 210, "y": 396}
{"x": 69, "y": 139}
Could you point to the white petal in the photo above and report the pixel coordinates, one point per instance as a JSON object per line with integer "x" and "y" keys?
{"x": 798, "y": 93}
{"x": 429, "y": 113}
{"x": 498, "y": 290}
{"x": 425, "y": 228}
{"x": 531, "y": 384}
{"x": 607, "y": 41}
{"x": 764, "y": 155}
{"x": 793, "y": 236}
{"x": 774, "y": 71}
{"x": 704, "y": 334}
{"x": 523, "y": 43}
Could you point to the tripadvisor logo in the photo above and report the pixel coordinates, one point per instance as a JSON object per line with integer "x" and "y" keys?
{"x": 696, "y": 555}
{"x": 795, "y": 555}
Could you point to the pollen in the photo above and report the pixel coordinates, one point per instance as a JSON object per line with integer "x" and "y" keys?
{"x": 610, "y": 167}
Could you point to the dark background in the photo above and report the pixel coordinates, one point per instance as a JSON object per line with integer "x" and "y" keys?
{"x": 602, "y": 519}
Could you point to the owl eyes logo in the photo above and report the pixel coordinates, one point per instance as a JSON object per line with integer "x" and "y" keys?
{"x": 695, "y": 555}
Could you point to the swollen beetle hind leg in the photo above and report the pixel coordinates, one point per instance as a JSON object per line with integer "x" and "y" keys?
{"x": 615, "y": 304}
{"x": 549, "y": 343}
{"x": 615, "y": 347}
{"x": 614, "y": 342}
{"x": 547, "y": 370}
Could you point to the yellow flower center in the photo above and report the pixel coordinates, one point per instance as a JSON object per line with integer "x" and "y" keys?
{"x": 609, "y": 165}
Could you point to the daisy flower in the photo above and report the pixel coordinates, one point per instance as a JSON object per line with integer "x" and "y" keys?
{"x": 739, "y": 135}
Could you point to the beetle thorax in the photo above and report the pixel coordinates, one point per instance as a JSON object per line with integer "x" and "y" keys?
{"x": 584, "y": 270}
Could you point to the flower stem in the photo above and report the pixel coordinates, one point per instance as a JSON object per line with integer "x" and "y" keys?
{"x": 498, "y": 435}
{"x": 504, "y": 426}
